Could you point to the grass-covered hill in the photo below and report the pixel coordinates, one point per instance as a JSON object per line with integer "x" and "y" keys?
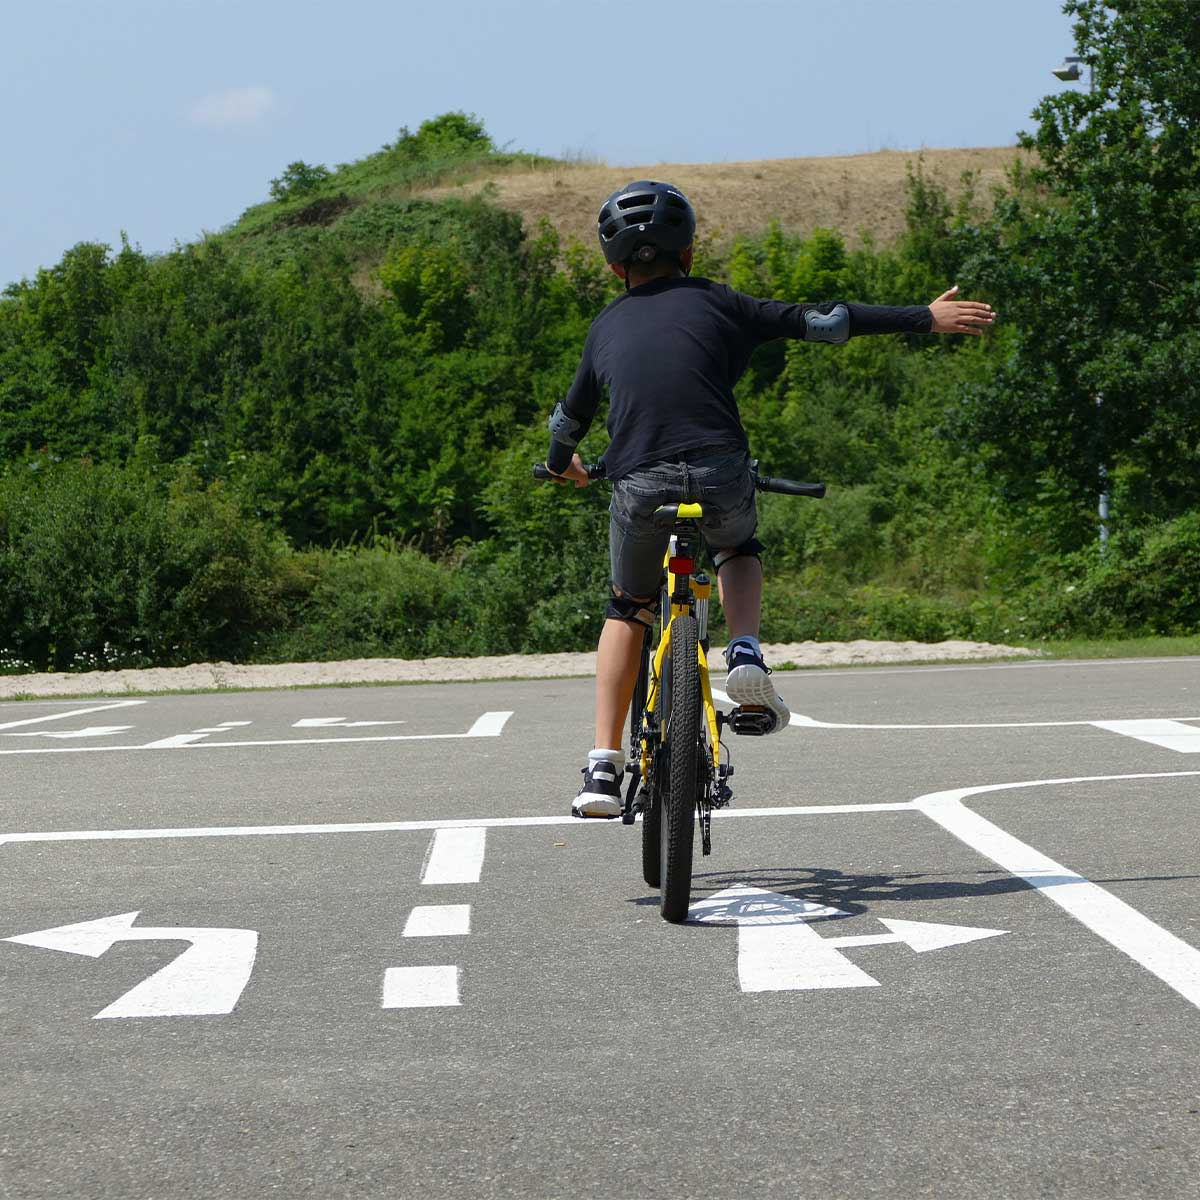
{"x": 309, "y": 435}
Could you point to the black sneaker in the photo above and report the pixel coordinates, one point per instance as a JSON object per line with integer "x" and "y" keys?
{"x": 600, "y": 795}
{"x": 749, "y": 682}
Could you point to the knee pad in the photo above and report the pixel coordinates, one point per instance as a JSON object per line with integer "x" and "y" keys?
{"x": 630, "y": 608}
{"x": 752, "y": 548}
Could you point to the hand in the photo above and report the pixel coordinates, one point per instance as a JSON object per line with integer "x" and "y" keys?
{"x": 960, "y": 316}
{"x": 575, "y": 473}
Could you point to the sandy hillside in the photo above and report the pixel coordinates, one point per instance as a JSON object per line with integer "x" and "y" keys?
{"x": 852, "y": 193}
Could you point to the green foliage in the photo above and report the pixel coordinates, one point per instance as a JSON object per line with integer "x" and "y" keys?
{"x": 1094, "y": 253}
{"x": 311, "y": 437}
{"x": 299, "y": 179}
{"x": 104, "y": 567}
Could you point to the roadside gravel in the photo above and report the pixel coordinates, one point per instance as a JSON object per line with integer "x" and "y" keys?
{"x": 207, "y": 676}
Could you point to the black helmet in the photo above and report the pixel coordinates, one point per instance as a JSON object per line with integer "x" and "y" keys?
{"x": 645, "y": 213}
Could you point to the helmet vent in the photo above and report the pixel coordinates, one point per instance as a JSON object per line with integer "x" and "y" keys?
{"x": 676, "y": 201}
{"x": 610, "y": 230}
{"x": 640, "y": 201}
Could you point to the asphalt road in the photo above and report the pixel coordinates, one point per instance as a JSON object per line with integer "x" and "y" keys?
{"x": 371, "y": 955}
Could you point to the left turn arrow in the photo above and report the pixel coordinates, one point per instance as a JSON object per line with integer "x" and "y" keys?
{"x": 207, "y": 978}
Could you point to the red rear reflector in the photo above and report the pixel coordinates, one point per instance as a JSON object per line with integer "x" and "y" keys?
{"x": 681, "y": 566}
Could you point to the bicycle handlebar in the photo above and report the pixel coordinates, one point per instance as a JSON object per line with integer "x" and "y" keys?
{"x": 764, "y": 483}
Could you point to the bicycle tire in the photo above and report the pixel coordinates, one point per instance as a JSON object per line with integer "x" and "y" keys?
{"x": 683, "y": 735}
{"x": 651, "y": 807}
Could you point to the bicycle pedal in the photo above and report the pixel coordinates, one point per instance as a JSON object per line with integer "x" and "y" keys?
{"x": 752, "y": 720}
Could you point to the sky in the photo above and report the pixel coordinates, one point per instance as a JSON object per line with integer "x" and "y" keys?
{"x": 167, "y": 118}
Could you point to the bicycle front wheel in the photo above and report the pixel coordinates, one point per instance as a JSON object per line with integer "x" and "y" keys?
{"x": 684, "y": 712}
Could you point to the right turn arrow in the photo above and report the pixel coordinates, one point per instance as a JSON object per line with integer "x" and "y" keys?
{"x": 779, "y": 951}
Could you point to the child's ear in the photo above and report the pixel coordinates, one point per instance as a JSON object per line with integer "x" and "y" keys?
{"x": 617, "y": 269}
{"x": 685, "y": 259}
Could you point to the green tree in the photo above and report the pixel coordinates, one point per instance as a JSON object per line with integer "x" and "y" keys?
{"x": 1092, "y": 257}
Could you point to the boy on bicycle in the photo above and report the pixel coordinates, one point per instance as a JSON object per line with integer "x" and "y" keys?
{"x": 668, "y": 352}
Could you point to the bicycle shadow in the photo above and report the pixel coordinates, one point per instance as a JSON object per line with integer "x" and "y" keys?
{"x": 810, "y": 892}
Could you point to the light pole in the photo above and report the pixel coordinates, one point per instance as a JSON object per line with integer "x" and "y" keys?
{"x": 1070, "y": 71}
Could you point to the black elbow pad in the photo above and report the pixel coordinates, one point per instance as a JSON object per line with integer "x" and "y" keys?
{"x": 563, "y": 427}
{"x": 833, "y": 327}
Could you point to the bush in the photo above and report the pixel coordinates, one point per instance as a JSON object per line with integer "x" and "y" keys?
{"x": 106, "y": 567}
{"x": 1147, "y": 583}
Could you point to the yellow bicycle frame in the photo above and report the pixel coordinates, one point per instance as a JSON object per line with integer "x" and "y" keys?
{"x": 696, "y": 591}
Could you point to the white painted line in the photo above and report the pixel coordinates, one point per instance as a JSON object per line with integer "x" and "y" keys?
{"x": 455, "y": 856}
{"x": 1169, "y": 734}
{"x": 1151, "y": 946}
{"x": 90, "y": 731}
{"x": 867, "y": 672}
{"x": 170, "y": 743}
{"x": 438, "y": 920}
{"x": 491, "y": 724}
{"x": 803, "y": 722}
{"x": 205, "y": 831}
{"x": 75, "y": 712}
{"x": 420, "y": 987}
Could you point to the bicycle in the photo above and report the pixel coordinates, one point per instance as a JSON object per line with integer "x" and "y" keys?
{"x": 676, "y": 774}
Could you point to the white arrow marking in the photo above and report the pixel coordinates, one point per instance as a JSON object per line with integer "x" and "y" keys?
{"x": 75, "y": 712}
{"x": 207, "y": 978}
{"x": 178, "y": 739}
{"x": 338, "y": 723}
{"x": 90, "y": 731}
{"x": 1171, "y": 735}
{"x": 778, "y": 951}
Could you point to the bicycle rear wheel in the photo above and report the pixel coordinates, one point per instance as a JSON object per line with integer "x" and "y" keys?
{"x": 678, "y": 795}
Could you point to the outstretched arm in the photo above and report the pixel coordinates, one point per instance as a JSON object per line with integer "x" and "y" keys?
{"x": 951, "y": 315}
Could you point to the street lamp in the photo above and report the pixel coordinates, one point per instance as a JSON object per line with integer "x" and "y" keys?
{"x": 1071, "y": 71}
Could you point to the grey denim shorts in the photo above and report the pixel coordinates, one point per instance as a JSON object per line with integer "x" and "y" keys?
{"x": 719, "y": 480}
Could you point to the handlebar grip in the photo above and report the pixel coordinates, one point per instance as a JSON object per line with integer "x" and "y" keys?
{"x": 542, "y": 473}
{"x": 790, "y": 487}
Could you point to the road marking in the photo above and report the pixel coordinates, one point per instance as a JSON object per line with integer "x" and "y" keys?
{"x": 176, "y": 740}
{"x": 489, "y": 725}
{"x": 206, "y": 979}
{"x": 1169, "y": 734}
{"x": 90, "y": 731}
{"x": 1169, "y": 723}
{"x": 120, "y": 835}
{"x": 778, "y": 951}
{"x": 455, "y": 856}
{"x": 1151, "y": 946}
{"x": 337, "y": 723}
{"x": 75, "y": 712}
{"x": 438, "y": 920}
{"x": 420, "y": 987}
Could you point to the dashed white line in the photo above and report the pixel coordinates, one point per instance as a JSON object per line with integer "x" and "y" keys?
{"x": 491, "y": 724}
{"x": 421, "y": 987}
{"x": 170, "y": 743}
{"x": 455, "y": 856}
{"x": 438, "y": 920}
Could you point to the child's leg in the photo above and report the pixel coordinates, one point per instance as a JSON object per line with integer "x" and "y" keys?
{"x": 740, "y": 587}
{"x": 617, "y": 659}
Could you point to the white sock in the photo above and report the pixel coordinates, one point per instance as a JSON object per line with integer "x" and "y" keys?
{"x": 751, "y": 643}
{"x": 616, "y": 757}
